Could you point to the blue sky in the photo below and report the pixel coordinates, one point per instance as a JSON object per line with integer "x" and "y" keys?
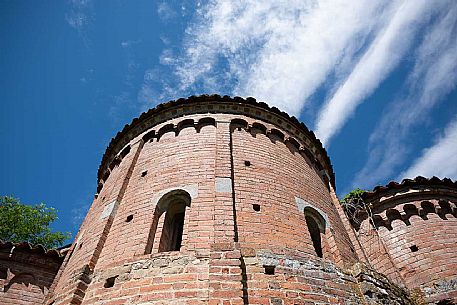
{"x": 376, "y": 80}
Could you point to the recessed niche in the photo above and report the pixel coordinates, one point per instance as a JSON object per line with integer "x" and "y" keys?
{"x": 110, "y": 282}
{"x": 256, "y": 207}
{"x": 247, "y": 163}
{"x": 3, "y": 273}
{"x": 129, "y": 218}
{"x": 414, "y": 248}
{"x": 270, "y": 270}
{"x": 144, "y": 173}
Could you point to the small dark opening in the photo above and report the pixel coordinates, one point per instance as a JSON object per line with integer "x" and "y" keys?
{"x": 110, "y": 282}
{"x": 173, "y": 228}
{"x": 178, "y": 226}
{"x": 80, "y": 245}
{"x": 315, "y": 233}
{"x": 3, "y": 273}
{"x": 256, "y": 207}
{"x": 270, "y": 270}
{"x": 414, "y": 248}
{"x": 144, "y": 173}
{"x": 247, "y": 163}
{"x": 129, "y": 218}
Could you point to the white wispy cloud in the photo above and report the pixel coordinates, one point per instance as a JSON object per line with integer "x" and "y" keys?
{"x": 79, "y": 210}
{"x": 382, "y": 57}
{"x": 166, "y": 11}
{"x": 433, "y": 76}
{"x": 278, "y": 51}
{"x": 129, "y": 43}
{"x": 80, "y": 17}
{"x": 439, "y": 160}
{"x": 284, "y": 51}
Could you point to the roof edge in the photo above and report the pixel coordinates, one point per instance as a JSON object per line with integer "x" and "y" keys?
{"x": 418, "y": 181}
{"x": 38, "y": 249}
{"x": 112, "y": 150}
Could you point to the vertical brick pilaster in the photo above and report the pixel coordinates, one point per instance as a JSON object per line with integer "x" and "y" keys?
{"x": 224, "y": 221}
{"x": 226, "y": 274}
{"x": 78, "y": 270}
{"x": 359, "y": 252}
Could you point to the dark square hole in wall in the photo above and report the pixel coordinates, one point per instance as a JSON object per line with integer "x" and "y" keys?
{"x": 3, "y": 273}
{"x": 144, "y": 173}
{"x": 414, "y": 248}
{"x": 270, "y": 270}
{"x": 256, "y": 207}
{"x": 110, "y": 282}
{"x": 129, "y": 218}
{"x": 80, "y": 245}
{"x": 247, "y": 163}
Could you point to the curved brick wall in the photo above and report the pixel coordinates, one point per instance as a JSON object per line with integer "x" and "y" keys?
{"x": 415, "y": 243}
{"x": 245, "y": 175}
{"x": 26, "y": 273}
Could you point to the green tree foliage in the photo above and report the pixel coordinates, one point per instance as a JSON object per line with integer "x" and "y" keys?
{"x": 354, "y": 198}
{"x": 25, "y": 223}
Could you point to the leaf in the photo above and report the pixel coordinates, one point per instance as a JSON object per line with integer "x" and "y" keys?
{"x": 26, "y": 223}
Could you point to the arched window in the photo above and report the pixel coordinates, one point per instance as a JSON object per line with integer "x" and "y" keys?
{"x": 173, "y": 227}
{"x": 168, "y": 222}
{"x": 316, "y": 228}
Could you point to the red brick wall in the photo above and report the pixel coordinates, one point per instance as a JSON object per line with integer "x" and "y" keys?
{"x": 278, "y": 173}
{"x": 225, "y": 242}
{"x": 25, "y": 277}
{"x": 407, "y": 223}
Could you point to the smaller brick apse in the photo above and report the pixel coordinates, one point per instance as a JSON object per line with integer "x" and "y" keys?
{"x": 27, "y": 272}
{"x": 409, "y": 233}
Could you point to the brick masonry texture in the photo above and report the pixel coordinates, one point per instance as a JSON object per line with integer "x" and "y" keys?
{"x": 412, "y": 238}
{"x": 26, "y": 273}
{"x": 217, "y": 200}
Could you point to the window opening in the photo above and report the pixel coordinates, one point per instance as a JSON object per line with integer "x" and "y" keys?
{"x": 177, "y": 227}
{"x": 144, "y": 173}
{"x": 173, "y": 227}
{"x": 129, "y": 218}
{"x": 247, "y": 163}
{"x": 315, "y": 233}
{"x": 256, "y": 207}
{"x": 168, "y": 222}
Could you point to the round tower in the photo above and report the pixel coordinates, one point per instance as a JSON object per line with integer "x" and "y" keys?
{"x": 408, "y": 232}
{"x": 211, "y": 200}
